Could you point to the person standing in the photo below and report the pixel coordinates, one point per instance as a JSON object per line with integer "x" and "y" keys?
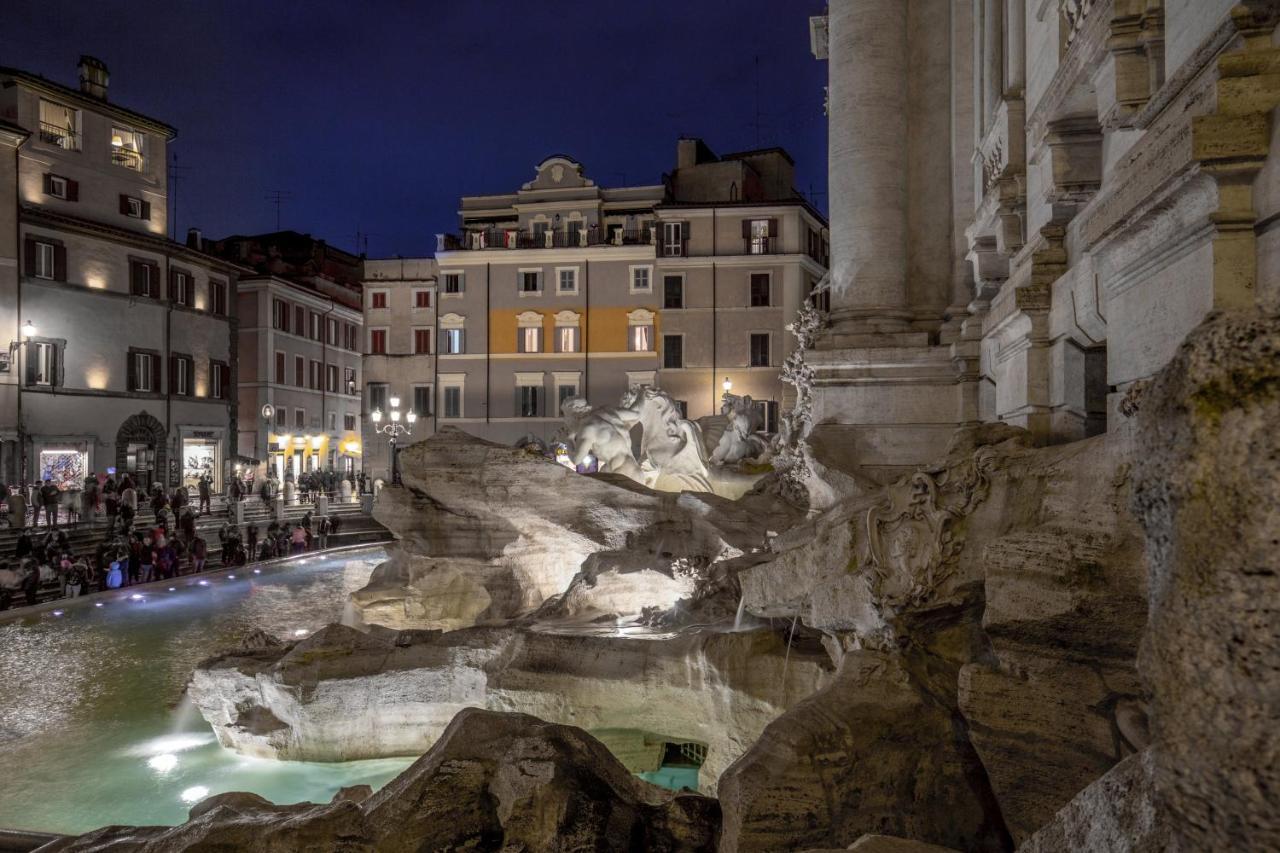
{"x": 206, "y": 494}
{"x": 322, "y": 532}
{"x": 17, "y": 510}
{"x": 199, "y": 553}
{"x": 49, "y": 494}
{"x": 251, "y": 540}
{"x": 89, "y": 498}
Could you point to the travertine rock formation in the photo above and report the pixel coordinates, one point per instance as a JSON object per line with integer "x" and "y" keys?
{"x": 341, "y": 694}
{"x": 1208, "y": 494}
{"x": 506, "y": 531}
{"x": 1115, "y": 814}
{"x": 1005, "y": 586}
{"x": 492, "y": 782}
{"x": 873, "y": 750}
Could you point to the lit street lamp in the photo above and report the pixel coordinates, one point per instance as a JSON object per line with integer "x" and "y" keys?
{"x": 394, "y": 429}
{"x": 727, "y": 385}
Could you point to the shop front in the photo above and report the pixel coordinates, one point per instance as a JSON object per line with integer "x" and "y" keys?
{"x": 300, "y": 454}
{"x": 66, "y": 463}
{"x": 202, "y": 455}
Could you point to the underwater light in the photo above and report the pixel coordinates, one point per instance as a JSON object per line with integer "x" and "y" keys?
{"x": 57, "y": 613}
{"x": 301, "y": 632}
{"x": 173, "y": 589}
{"x": 97, "y": 604}
{"x": 136, "y": 596}
{"x": 203, "y": 583}
{"x": 194, "y": 793}
{"x": 231, "y": 577}
{"x": 257, "y": 571}
{"x": 163, "y": 763}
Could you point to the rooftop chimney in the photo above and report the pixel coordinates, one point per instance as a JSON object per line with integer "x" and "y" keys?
{"x": 687, "y": 152}
{"x": 93, "y": 77}
{"x": 194, "y": 239}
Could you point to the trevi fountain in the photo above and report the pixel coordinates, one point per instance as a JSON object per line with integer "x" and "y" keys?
{"x": 1006, "y": 578}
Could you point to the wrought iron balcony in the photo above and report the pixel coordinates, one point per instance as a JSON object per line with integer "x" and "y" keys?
{"x": 63, "y": 137}
{"x": 126, "y": 157}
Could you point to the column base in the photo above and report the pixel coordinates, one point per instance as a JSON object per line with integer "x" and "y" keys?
{"x": 886, "y": 410}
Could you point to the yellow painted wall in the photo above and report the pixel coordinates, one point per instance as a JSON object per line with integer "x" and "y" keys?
{"x": 605, "y": 328}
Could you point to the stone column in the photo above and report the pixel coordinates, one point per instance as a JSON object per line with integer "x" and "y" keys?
{"x": 868, "y": 164}
{"x": 992, "y": 60}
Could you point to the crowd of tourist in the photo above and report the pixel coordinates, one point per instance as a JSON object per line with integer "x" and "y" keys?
{"x": 129, "y": 552}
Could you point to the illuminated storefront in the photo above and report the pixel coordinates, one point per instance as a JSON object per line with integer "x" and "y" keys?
{"x": 298, "y": 454}
{"x": 202, "y": 455}
{"x": 66, "y": 466}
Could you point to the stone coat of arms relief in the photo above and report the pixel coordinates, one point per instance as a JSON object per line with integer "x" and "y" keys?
{"x": 911, "y": 537}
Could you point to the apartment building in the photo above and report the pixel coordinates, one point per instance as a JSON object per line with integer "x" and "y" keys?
{"x": 399, "y": 362}
{"x": 564, "y": 288}
{"x": 301, "y": 337}
{"x": 119, "y": 342}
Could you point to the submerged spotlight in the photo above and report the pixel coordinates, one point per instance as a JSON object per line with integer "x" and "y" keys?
{"x": 231, "y": 577}
{"x": 163, "y": 763}
{"x": 257, "y": 571}
{"x": 137, "y": 596}
{"x": 301, "y": 632}
{"x": 203, "y": 583}
{"x": 97, "y": 604}
{"x": 57, "y": 613}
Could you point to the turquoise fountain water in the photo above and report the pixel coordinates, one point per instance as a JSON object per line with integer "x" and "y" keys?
{"x": 94, "y": 729}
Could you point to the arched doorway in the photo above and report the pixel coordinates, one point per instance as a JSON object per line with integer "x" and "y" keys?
{"x": 142, "y": 449}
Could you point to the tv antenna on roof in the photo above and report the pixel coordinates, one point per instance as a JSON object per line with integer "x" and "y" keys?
{"x": 278, "y": 197}
{"x": 175, "y": 172}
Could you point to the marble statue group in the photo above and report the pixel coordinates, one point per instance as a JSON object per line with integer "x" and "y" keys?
{"x": 646, "y": 439}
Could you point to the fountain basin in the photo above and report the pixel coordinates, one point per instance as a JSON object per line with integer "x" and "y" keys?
{"x": 342, "y": 695}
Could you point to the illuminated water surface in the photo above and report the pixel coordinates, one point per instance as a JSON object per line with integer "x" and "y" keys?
{"x": 93, "y": 726}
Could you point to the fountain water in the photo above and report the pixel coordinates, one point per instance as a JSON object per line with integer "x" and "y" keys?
{"x": 185, "y": 716}
{"x": 742, "y": 606}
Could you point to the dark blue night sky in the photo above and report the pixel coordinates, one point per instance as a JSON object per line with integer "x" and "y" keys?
{"x": 376, "y": 116}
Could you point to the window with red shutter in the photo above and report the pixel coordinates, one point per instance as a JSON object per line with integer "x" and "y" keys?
{"x": 378, "y": 341}
{"x": 422, "y": 341}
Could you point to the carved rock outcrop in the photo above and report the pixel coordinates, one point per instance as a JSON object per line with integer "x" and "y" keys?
{"x": 488, "y": 531}
{"x": 1116, "y": 814}
{"x": 1207, "y": 490}
{"x": 341, "y": 694}
{"x": 873, "y": 751}
{"x": 492, "y": 782}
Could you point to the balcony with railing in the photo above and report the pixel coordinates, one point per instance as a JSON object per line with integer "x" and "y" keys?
{"x": 127, "y": 158}
{"x": 63, "y": 137}
{"x": 512, "y": 238}
{"x": 761, "y": 246}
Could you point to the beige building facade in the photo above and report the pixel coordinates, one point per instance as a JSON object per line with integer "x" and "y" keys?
{"x": 1106, "y": 185}
{"x": 299, "y": 378}
{"x": 568, "y": 289}
{"x": 400, "y": 361}
{"x": 120, "y": 342}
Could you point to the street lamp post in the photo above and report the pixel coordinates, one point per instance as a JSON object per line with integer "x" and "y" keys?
{"x": 393, "y": 429}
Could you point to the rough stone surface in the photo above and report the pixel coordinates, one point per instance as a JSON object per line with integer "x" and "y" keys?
{"x": 506, "y": 531}
{"x": 1011, "y": 580}
{"x": 492, "y": 782}
{"x": 341, "y": 694}
{"x": 1114, "y": 814}
{"x": 873, "y": 752}
{"x": 1064, "y": 614}
{"x": 1207, "y": 489}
